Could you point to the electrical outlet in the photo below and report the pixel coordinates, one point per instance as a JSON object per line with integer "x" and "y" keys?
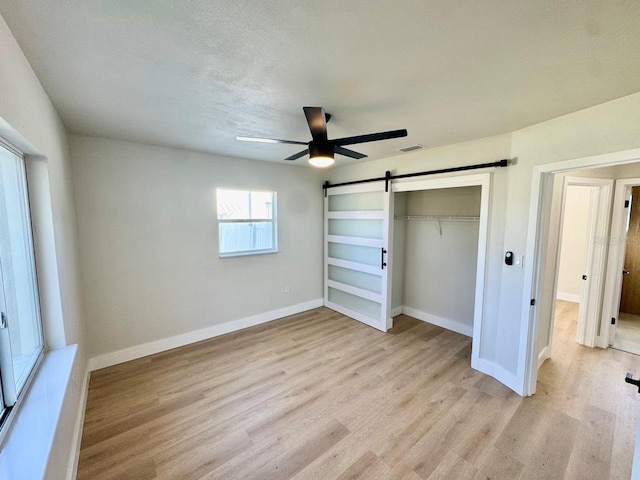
{"x": 286, "y": 289}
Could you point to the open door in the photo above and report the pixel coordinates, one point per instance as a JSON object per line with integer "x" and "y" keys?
{"x": 589, "y": 313}
{"x": 357, "y": 252}
{"x": 617, "y": 300}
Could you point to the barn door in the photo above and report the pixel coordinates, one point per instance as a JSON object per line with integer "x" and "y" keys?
{"x": 357, "y": 252}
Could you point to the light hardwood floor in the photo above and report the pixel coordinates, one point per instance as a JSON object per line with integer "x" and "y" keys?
{"x": 320, "y": 396}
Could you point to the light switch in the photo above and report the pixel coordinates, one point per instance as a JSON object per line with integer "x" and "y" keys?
{"x": 517, "y": 260}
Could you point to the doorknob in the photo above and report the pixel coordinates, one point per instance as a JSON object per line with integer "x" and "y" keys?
{"x": 625, "y": 272}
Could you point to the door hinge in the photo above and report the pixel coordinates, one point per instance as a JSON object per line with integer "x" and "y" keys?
{"x": 613, "y": 321}
{"x": 626, "y": 204}
{"x": 3, "y": 320}
{"x": 533, "y": 302}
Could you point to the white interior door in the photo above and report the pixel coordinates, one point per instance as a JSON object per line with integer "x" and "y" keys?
{"x": 589, "y": 313}
{"x": 617, "y": 249}
{"x": 622, "y": 240}
{"x": 586, "y": 306}
{"x": 357, "y": 252}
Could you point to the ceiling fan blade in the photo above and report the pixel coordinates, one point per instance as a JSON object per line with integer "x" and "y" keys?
{"x": 298, "y": 155}
{"x": 371, "y": 137}
{"x": 317, "y": 120}
{"x": 348, "y": 153}
{"x": 268, "y": 140}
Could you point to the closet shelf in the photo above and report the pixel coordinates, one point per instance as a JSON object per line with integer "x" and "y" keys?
{"x": 439, "y": 218}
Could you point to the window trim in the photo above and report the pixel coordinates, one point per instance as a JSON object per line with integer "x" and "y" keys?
{"x": 273, "y": 220}
{"x": 9, "y": 413}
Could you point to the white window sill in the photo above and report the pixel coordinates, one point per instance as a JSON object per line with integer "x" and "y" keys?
{"x": 247, "y": 253}
{"x": 27, "y": 445}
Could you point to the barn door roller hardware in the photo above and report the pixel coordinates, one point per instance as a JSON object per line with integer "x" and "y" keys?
{"x": 388, "y": 177}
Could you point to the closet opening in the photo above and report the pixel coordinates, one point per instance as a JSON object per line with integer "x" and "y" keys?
{"x": 439, "y": 249}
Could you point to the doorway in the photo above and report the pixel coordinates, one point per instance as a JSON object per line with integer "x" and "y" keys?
{"x": 435, "y": 253}
{"x": 579, "y": 210}
{"x": 453, "y": 212}
{"x": 540, "y": 259}
{"x": 574, "y": 260}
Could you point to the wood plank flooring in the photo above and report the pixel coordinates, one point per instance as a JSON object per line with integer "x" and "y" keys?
{"x": 320, "y": 396}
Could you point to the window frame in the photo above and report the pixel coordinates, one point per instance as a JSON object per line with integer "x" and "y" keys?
{"x": 273, "y": 220}
{"x": 13, "y": 395}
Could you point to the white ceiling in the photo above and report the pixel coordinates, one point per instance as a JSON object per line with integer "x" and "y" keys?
{"x": 194, "y": 74}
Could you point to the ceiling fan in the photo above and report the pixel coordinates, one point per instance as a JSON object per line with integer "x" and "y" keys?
{"x": 321, "y": 150}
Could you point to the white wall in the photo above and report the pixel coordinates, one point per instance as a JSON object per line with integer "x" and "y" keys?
{"x": 30, "y": 122}
{"x": 148, "y": 241}
{"x": 573, "y": 251}
{"x": 440, "y": 269}
{"x": 631, "y": 170}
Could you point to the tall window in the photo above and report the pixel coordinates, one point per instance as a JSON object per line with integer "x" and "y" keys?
{"x": 246, "y": 222}
{"x": 20, "y": 328}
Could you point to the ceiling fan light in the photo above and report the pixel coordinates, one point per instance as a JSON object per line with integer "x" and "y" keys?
{"x": 321, "y": 161}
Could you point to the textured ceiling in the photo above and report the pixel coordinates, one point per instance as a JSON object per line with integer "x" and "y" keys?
{"x": 194, "y": 74}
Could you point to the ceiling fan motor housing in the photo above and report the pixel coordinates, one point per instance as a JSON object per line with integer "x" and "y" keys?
{"x": 320, "y": 149}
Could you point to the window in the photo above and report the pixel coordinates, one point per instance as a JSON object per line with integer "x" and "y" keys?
{"x": 20, "y": 327}
{"x": 246, "y": 222}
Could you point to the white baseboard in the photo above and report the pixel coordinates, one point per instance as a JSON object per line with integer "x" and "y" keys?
{"x": 544, "y": 354}
{"x": 503, "y": 376}
{"x": 439, "y": 321}
{"x": 396, "y": 311}
{"x": 72, "y": 471}
{"x": 139, "y": 351}
{"x": 568, "y": 297}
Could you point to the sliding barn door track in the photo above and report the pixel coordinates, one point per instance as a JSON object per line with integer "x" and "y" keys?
{"x": 388, "y": 177}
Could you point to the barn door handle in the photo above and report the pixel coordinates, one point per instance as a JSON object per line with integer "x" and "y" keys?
{"x": 382, "y": 262}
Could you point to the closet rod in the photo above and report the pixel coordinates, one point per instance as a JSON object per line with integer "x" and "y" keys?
{"x": 439, "y": 218}
{"x": 388, "y": 177}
